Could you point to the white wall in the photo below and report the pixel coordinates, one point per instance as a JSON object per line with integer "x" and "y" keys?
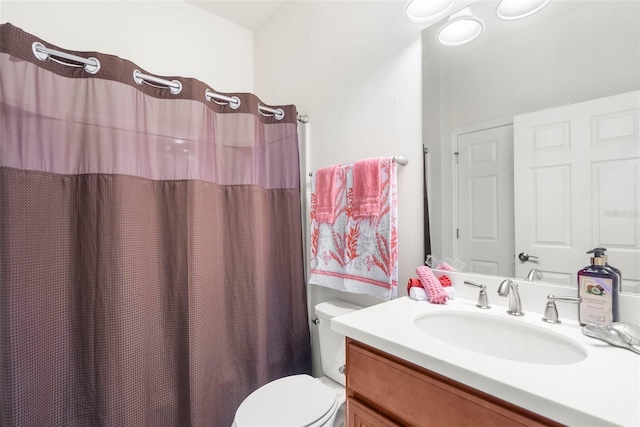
{"x": 163, "y": 37}
{"x": 569, "y": 52}
{"x": 355, "y": 68}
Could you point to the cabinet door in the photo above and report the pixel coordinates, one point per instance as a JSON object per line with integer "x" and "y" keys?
{"x": 416, "y": 397}
{"x": 359, "y": 415}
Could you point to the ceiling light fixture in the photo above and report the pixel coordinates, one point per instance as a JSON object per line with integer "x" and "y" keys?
{"x": 427, "y": 10}
{"x": 461, "y": 27}
{"x": 516, "y": 9}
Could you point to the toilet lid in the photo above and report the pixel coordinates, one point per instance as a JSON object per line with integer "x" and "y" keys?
{"x": 298, "y": 400}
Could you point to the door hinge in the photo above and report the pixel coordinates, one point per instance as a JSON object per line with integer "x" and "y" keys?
{"x": 456, "y": 156}
{"x": 457, "y": 233}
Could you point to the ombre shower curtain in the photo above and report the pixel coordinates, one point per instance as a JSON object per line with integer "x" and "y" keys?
{"x": 151, "y": 269}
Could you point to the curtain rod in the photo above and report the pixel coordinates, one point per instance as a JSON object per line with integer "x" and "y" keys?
{"x": 92, "y": 66}
{"x": 401, "y": 160}
{"x": 234, "y": 102}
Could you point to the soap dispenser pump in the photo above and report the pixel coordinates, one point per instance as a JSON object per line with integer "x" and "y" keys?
{"x": 598, "y": 289}
{"x": 606, "y": 263}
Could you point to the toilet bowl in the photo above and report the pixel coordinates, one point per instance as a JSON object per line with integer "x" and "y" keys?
{"x": 298, "y": 400}
{"x": 301, "y": 400}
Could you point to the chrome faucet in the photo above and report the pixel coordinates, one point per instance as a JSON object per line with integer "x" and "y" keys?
{"x": 534, "y": 274}
{"x": 510, "y": 288}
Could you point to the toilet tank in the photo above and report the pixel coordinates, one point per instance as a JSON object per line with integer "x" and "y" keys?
{"x": 332, "y": 355}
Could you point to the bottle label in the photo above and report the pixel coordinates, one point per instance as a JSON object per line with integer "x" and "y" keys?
{"x": 597, "y": 300}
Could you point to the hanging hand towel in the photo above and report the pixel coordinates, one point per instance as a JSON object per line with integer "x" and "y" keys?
{"x": 358, "y": 255}
{"x": 366, "y": 188}
{"x": 324, "y": 198}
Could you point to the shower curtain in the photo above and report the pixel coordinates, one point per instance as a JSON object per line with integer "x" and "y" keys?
{"x": 151, "y": 269}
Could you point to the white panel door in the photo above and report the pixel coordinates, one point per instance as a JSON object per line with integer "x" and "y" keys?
{"x": 485, "y": 201}
{"x": 577, "y": 180}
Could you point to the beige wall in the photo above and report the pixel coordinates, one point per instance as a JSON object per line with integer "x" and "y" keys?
{"x": 163, "y": 37}
{"x": 355, "y": 68}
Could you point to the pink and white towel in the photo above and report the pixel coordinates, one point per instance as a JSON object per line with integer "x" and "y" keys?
{"x": 358, "y": 253}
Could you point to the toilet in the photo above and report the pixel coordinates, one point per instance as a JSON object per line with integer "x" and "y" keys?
{"x": 301, "y": 400}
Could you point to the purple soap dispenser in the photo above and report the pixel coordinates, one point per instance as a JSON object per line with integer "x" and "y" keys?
{"x": 598, "y": 288}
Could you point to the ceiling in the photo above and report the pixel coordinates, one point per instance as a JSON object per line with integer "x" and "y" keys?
{"x": 250, "y": 14}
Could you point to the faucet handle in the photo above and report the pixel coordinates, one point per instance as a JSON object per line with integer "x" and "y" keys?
{"x": 483, "y": 299}
{"x": 551, "y": 311}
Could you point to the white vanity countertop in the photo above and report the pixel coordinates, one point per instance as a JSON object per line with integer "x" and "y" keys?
{"x": 601, "y": 390}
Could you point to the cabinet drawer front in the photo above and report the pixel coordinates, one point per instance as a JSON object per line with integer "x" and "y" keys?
{"x": 415, "y": 396}
{"x": 362, "y": 416}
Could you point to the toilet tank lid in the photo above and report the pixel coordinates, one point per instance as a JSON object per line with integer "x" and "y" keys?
{"x": 333, "y": 308}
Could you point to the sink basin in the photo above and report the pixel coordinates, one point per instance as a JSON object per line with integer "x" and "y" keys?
{"x": 501, "y": 337}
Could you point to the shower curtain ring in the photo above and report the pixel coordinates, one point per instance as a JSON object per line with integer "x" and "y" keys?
{"x": 232, "y": 101}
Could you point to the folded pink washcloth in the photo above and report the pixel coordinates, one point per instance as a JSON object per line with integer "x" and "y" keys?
{"x": 366, "y": 188}
{"x": 431, "y": 284}
{"x": 326, "y": 191}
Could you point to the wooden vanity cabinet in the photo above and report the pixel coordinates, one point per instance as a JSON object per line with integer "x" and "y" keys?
{"x": 385, "y": 391}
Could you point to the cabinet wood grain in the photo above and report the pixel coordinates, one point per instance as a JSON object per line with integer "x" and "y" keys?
{"x": 410, "y": 395}
{"x": 363, "y": 416}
